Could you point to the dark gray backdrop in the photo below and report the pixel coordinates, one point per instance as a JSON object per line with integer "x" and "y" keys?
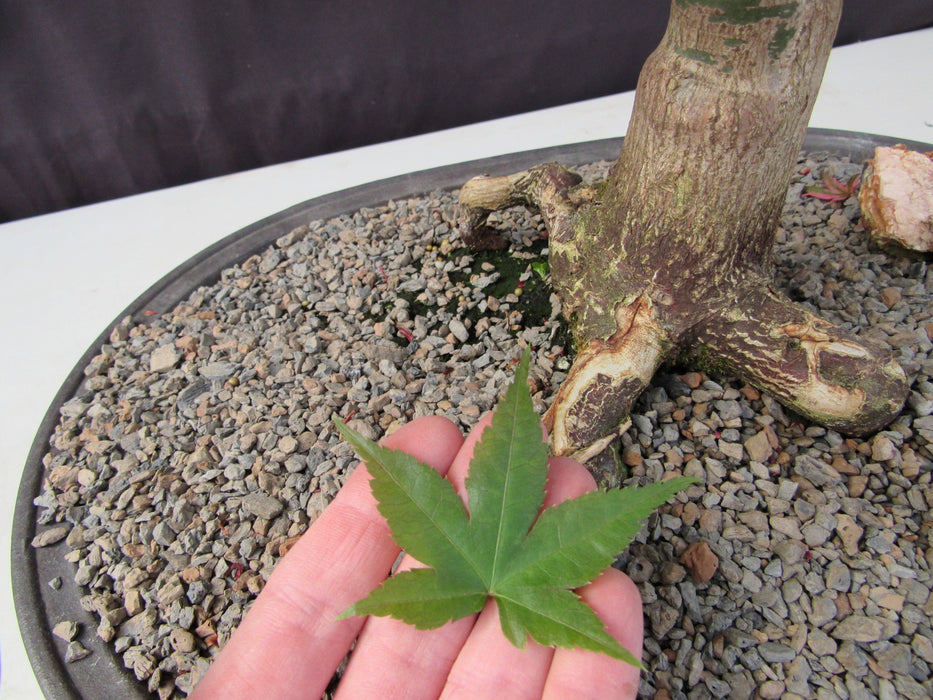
{"x": 105, "y": 98}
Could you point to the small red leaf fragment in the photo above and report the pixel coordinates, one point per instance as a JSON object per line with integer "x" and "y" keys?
{"x": 405, "y": 333}
{"x": 833, "y": 190}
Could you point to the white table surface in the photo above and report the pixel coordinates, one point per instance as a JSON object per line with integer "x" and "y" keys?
{"x": 67, "y": 275}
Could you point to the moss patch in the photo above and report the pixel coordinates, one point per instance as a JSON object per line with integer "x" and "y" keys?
{"x": 534, "y": 297}
{"x": 533, "y": 293}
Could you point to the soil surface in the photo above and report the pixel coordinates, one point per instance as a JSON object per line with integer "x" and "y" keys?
{"x": 201, "y": 446}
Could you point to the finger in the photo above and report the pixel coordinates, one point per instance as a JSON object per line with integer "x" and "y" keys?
{"x": 460, "y": 467}
{"x": 489, "y": 665}
{"x": 585, "y": 674}
{"x": 566, "y": 479}
{"x": 290, "y": 643}
{"x": 393, "y": 659}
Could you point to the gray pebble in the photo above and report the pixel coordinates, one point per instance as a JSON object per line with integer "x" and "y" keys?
{"x": 776, "y": 653}
{"x": 662, "y": 617}
{"x": 821, "y": 643}
{"x": 163, "y": 534}
{"x": 823, "y": 610}
{"x": 218, "y": 371}
{"x": 262, "y": 505}
{"x": 790, "y": 551}
{"x": 797, "y": 676}
{"x": 838, "y": 576}
{"x": 190, "y": 395}
{"x": 860, "y": 628}
{"x": 75, "y": 652}
{"x": 880, "y": 543}
{"x": 816, "y": 471}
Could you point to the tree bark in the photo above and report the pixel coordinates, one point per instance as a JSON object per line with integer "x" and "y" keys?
{"x": 673, "y": 254}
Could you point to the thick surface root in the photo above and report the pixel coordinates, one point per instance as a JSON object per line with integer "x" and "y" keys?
{"x": 742, "y": 327}
{"x": 819, "y": 370}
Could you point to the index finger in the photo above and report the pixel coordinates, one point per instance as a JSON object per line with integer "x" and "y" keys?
{"x": 290, "y": 643}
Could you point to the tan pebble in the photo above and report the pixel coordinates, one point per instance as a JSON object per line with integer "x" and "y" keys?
{"x": 711, "y": 521}
{"x": 910, "y": 466}
{"x": 922, "y": 647}
{"x": 206, "y": 629}
{"x": 875, "y": 668}
{"x": 857, "y": 485}
{"x": 690, "y": 513}
{"x": 182, "y": 640}
{"x": 883, "y": 450}
{"x": 843, "y": 608}
{"x": 843, "y": 466}
{"x": 692, "y": 379}
{"x": 890, "y": 296}
{"x": 192, "y": 574}
{"x": 65, "y": 630}
{"x": 771, "y": 690}
{"x": 787, "y": 526}
{"x": 719, "y": 646}
{"x": 758, "y": 447}
{"x": 133, "y": 602}
{"x": 106, "y": 631}
{"x": 890, "y": 601}
{"x": 857, "y": 600}
{"x": 288, "y": 544}
{"x": 750, "y": 393}
{"x": 700, "y": 561}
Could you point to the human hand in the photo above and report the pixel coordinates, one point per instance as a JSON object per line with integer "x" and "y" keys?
{"x": 291, "y": 642}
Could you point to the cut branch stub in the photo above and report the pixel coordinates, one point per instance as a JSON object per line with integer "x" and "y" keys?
{"x": 593, "y": 403}
{"x": 547, "y": 186}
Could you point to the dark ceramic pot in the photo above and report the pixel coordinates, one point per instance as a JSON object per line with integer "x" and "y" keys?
{"x": 38, "y": 607}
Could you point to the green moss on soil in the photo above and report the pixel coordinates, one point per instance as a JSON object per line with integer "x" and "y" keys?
{"x": 533, "y": 303}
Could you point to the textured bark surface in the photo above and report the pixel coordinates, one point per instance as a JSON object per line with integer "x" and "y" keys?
{"x": 672, "y": 256}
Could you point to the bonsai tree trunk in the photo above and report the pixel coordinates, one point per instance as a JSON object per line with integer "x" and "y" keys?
{"x": 673, "y": 255}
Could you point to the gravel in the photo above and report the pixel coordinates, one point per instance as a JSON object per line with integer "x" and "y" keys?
{"x": 201, "y": 446}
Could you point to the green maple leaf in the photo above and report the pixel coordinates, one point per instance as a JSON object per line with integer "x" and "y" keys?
{"x": 501, "y": 548}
